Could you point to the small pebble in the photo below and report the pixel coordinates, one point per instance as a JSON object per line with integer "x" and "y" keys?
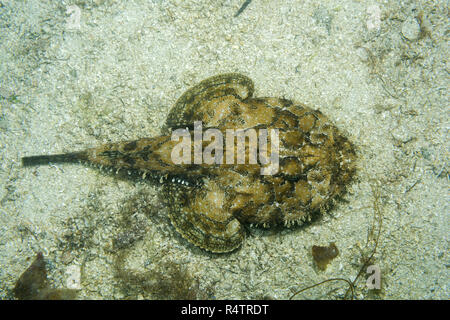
{"x": 402, "y": 134}
{"x": 411, "y": 29}
{"x": 373, "y": 22}
{"x": 73, "y": 274}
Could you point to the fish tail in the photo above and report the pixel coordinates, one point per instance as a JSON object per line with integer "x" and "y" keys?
{"x": 55, "y": 158}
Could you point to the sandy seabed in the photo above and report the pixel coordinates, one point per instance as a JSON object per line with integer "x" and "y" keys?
{"x": 75, "y": 74}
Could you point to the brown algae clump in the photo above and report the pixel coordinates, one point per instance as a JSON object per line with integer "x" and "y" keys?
{"x": 323, "y": 255}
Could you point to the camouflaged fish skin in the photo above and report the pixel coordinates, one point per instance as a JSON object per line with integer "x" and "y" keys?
{"x": 208, "y": 204}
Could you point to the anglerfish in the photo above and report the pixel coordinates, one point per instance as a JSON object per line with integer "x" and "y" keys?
{"x": 210, "y": 202}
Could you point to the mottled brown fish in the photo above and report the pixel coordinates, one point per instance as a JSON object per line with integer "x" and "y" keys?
{"x": 210, "y": 203}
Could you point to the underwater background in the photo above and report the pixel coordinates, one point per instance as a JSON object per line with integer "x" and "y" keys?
{"x": 76, "y": 74}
